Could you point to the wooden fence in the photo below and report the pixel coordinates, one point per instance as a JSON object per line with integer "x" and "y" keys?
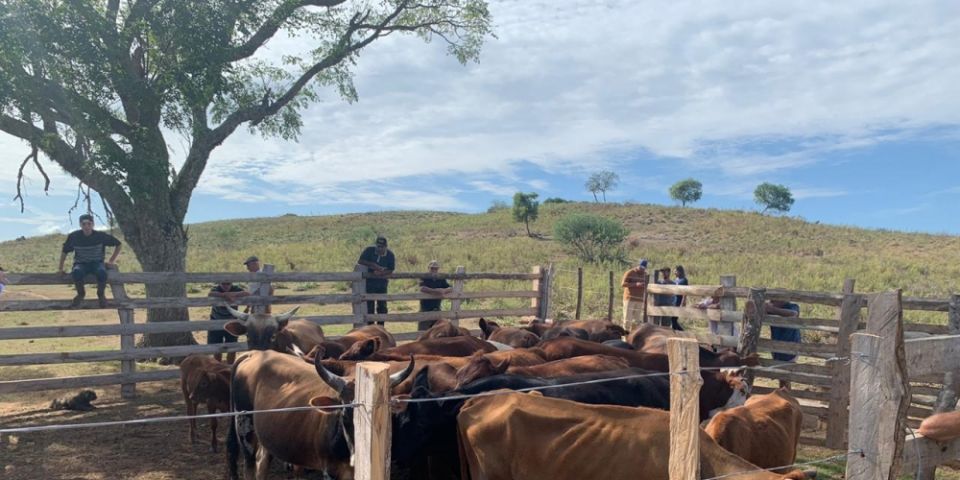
{"x": 128, "y": 353}
{"x": 821, "y": 376}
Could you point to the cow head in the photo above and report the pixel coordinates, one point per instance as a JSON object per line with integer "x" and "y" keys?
{"x": 260, "y": 328}
{"x": 488, "y": 327}
{"x": 480, "y": 366}
{"x": 345, "y": 387}
{"x": 732, "y": 379}
{"x": 574, "y": 332}
{"x": 444, "y": 328}
{"x": 424, "y": 422}
{"x": 728, "y": 357}
{"x": 362, "y": 349}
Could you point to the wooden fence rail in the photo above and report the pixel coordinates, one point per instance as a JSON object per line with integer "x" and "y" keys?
{"x": 127, "y": 328}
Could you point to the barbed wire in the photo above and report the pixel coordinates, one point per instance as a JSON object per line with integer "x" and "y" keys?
{"x": 794, "y": 466}
{"x": 138, "y": 421}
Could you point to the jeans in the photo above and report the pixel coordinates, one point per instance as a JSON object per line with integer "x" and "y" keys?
{"x": 81, "y": 270}
{"x": 784, "y": 334}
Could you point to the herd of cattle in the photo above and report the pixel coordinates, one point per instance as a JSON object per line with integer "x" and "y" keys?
{"x": 615, "y": 426}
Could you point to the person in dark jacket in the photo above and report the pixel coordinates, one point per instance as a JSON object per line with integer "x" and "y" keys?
{"x": 379, "y": 261}
{"x": 89, "y": 250}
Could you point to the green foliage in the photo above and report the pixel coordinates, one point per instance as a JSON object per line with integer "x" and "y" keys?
{"x": 592, "y": 238}
{"x": 601, "y": 182}
{"x": 526, "y": 208}
{"x": 556, "y": 200}
{"x": 686, "y": 191}
{"x": 497, "y": 205}
{"x": 773, "y": 197}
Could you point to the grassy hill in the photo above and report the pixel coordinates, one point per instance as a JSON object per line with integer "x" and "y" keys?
{"x": 759, "y": 250}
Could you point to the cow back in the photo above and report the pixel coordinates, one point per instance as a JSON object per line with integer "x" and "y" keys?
{"x": 305, "y": 334}
{"x": 567, "y": 347}
{"x": 765, "y": 431}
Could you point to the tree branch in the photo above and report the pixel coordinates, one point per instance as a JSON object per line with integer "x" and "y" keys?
{"x": 46, "y": 180}
{"x": 276, "y": 20}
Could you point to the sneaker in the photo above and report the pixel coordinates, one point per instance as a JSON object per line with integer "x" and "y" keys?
{"x": 102, "y": 300}
{"x": 76, "y": 301}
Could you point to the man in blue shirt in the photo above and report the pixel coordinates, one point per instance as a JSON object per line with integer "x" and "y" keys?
{"x": 380, "y": 262}
{"x": 784, "y": 308}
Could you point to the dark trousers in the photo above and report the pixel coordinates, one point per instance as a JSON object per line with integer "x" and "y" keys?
{"x": 378, "y": 306}
{"x": 81, "y": 270}
{"x": 425, "y": 325}
{"x": 784, "y": 334}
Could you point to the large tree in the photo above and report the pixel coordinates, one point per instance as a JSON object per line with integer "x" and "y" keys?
{"x": 773, "y": 197}
{"x": 98, "y": 86}
{"x": 686, "y": 191}
{"x": 601, "y": 182}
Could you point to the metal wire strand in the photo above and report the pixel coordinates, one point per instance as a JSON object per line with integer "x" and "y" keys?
{"x": 794, "y": 466}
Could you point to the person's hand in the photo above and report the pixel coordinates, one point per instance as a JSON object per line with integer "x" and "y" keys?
{"x": 110, "y": 265}
{"x": 61, "y": 271}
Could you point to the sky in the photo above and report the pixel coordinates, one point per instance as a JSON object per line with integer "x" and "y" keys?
{"x": 852, "y": 105}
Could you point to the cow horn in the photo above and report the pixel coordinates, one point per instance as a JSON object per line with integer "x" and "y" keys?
{"x": 399, "y": 377}
{"x": 330, "y": 378}
{"x": 286, "y": 316}
{"x": 239, "y": 315}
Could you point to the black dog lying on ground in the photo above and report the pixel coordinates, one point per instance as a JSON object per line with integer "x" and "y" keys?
{"x": 80, "y": 402}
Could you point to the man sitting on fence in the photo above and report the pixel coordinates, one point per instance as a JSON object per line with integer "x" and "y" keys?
{"x": 89, "y": 250}
{"x": 784, "y": 308}
{"x": 433, "y": 286}
{"x": 229, "y": 292}
{"x": 634, "y": 285}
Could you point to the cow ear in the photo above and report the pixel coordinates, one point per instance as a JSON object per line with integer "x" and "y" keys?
{"x": 751, "y": 360}
{"x": 485, "y": 328}
{"x": 501, "y": 366}
{"x": 324, "y": 401}
{"x": 535, "y": 393}
{"x": 235, "y": 328}
{"x": 369, "y": 347}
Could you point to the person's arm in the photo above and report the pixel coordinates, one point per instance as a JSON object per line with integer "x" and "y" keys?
{"x": 391, "y": 263}
{"x": 63, "y": 258}
{"x": 783, "y": 312}
{"x": 367, "y": 261}
{"x": 627, "y": 283}
{"x": 116, "y": 253}
{"x": 67, "y": 248}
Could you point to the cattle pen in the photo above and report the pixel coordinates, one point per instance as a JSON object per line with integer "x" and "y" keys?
{"x": 839, "y": 373}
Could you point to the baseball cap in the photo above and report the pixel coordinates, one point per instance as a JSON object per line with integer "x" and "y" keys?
{"x": 433, "y": 263}
{"x": 251, "y": 258}
{"x": 643, "y": 262}
{"x": 382, "y": 241}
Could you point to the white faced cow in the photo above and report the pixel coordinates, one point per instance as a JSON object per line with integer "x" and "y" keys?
{"x": 261, "y": 329}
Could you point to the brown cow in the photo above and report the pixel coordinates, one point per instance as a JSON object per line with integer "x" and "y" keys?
{"x": 942, "y": 427}
{"x": 444, "y": 328}
{"x": 303, "y": 334}
{"x": 590, "y": 441}
{"x": 336, "y": 347}
{"x": 567, "y": 347}
{"x": 205, "y": 380}
{"x": 369, "y": 349}
{"x": 764, "y": 431}
{"x": 514, "y": 337}
{"x": 599, "y": 330}
{"x": 483, "y": 366}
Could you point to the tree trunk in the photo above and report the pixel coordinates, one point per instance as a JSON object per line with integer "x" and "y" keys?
{"x": 604, "y": 196}
{"x": 595, "y": 198}
{"x": 527, "y": 223}
{"x": 160, "y": 246}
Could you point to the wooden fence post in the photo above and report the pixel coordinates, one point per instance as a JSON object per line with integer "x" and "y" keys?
{"x": 728, "y": 303}
{"x": 542, "y": 285}
{"x": 837, "y": 417}
{"x": 537, "y": 286}
{"x": 263, "y": 290}
{"x": 685, "y": 383}
{"x": 457, "y": 290}
{"x": 359, "y": 287}
{"x": 579, "y": 292}
{"x": 753, "y": 315}
{"x": 881, "y": 392}
{"x": 610, "y": 298}
{"x": 372, "y": 422}
{"x": 127, "y": 367}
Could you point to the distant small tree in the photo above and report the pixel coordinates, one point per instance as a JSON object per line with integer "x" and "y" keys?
{"x": 497, "y": 205}
{"x": 686, "y": 191}
{"x": 601, "y": 182}
{"x": 525, "y": 208}
{"x": 592, "y": 238}
{"x": 555, "y": 200}
{"x": 773, "y": 197}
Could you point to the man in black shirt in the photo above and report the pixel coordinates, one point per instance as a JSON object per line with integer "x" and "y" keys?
{"x": 434, "y": 286}
{"x": 229, "y": 292}
{"x": 89, "y": 249}
{"x": 380, "y": 262}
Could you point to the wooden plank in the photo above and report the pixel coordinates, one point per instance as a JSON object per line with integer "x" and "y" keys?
{"x": 933, "y": 355}
{"x": 610, "y": 295}
{"x": 372, "y": 421}
{"x": 114, "y": 355}
{"x": 576, "y": 314}
{"x": 450, "y": 296}
{"x": 456, "y": 304}
{"x": 536, "y": 285}
{"x": 880, "y": 391}
{"x": 815, "y": 411}
{"x": 802, "y": 296}
{"x": 947, "y": 398}
{"x": 796, "y": 348}
{"x": 545, "y": 290}
{"x": 922, "y": 452}
{"x": 930, "y": 328}
{"x": 814, "y": 441}
{"x": 127, "y": 390}
{"x": 36, "y": 385}
{"x": 798, "y": 393}
{"x": 171, "y": 302}
{"x": 797, "y": 377}
{"x": 848, "y": 315}
{"x": 416, "y": 317}
{"x": 753, "y": 314}
{"x": 244, "y": 277}
{"x": 359, "y": 287}
{"x": 685, "y": 383}
{"x": 697, "y": 314}
{"x": 468, "y": 276}
{"x": 728, "y": 303}
{"x": 708, "y": 338}
{"x": 687, "y": 290}
{"x": 926, "y": 304}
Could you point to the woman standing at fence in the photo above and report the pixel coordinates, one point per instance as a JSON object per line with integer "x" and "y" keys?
{"x": 679, "y": 300}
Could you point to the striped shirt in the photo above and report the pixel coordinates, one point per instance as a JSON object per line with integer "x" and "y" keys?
{"x": 89, "y": 248}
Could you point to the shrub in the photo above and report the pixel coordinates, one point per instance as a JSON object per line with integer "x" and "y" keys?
{"x": 497, "y": 205}
{"x": 591, "y": 237}
{"x": 686, "y": 191}
{"x": 555, "y": 200}
{"x": 526, "y": 209}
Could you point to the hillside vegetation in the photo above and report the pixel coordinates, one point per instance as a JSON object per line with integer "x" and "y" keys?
{"x": 760, "y": 250}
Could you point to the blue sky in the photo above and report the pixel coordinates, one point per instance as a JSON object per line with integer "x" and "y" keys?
{"x": 853, "y": 105}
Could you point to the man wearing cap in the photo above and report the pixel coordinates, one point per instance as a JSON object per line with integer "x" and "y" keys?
{"x": 634, "y": 285}
{"x": 253, "y": 266}
{"x": 89, "y": 250}
{"x": 380, "y": 262}
{"x": 433, "y": 286}
{"x": 229, "y": 292}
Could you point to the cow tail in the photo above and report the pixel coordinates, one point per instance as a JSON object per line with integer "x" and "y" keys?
{"x": 238, "y": 427}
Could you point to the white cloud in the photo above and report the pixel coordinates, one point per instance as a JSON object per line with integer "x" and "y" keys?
{"x": 805, "y": 193}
